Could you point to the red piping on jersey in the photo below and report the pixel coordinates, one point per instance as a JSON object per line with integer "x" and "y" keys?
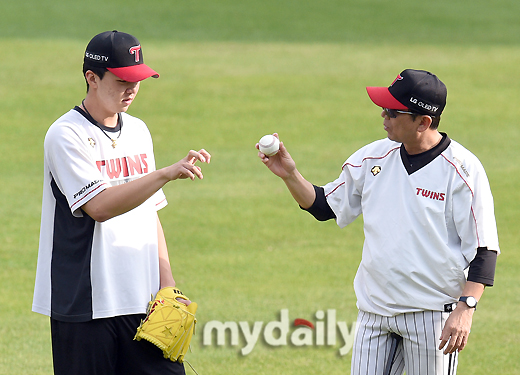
{"x": 359, "y": 166}
{"x": 158, "y": 204}
{"x": 333, "y": 190}
{"x": 90, "y": 192}
{"x": 371, "y": 158}
{"x": 472, "y": 194}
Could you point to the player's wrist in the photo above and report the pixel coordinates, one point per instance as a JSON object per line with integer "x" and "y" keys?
{"x": 292, "y": 176}
{"x": 464, "y": 309}
{"x": 165, "y": 175}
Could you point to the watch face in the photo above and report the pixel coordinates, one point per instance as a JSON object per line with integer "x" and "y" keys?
{"x": 471, "y": 301}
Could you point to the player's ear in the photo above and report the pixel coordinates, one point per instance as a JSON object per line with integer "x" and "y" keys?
{"x": 91, "y": 78}
{"x": 425, "y": 123}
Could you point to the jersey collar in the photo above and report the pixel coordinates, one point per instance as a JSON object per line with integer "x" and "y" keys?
{"x": 413, "y": 163}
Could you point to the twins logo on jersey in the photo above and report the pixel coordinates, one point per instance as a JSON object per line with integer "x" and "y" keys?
{"x": 431, "y": 194}
{"x": 123, "y": 167}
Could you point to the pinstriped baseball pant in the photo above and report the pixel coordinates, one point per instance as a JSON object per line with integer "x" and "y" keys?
{"x": 417, "y": 353}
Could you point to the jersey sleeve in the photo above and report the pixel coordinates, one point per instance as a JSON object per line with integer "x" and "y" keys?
{"x": 344, "y": 194}
{"x": 473, "y": 209}
{"x": 483, "y": 207}
{"x": 72, "y": 167}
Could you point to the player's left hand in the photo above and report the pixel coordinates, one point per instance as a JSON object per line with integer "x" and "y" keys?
{"x": 455, "y": 333}
{"x": 186, "y": 168}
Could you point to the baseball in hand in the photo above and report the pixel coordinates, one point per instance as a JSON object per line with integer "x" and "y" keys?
{"x": 269, "y": 145}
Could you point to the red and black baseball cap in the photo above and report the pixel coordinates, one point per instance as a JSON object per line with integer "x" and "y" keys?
{"x": 416, "y": 90}
{"x": 121, "y": 54}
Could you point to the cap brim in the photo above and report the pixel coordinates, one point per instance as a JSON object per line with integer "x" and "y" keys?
{"x": 134, "y": 73}
{"x": 381, "y": 97}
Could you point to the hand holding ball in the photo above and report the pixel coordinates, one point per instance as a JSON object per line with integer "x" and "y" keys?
{"x": 269, "y": 145}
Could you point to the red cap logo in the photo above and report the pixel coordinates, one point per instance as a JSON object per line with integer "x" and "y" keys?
{"x": 398, "y": 78}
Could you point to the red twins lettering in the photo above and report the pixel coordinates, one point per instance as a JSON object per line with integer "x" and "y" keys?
{"x": 431, "y": 194}
{"x": 135, "y": 51}
{"x": 127, "y": 166}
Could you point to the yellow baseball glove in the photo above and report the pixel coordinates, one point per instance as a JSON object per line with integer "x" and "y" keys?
{"x": 169, "y": 324}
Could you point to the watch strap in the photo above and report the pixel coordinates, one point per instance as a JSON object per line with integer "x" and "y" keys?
{"x": 465, "y": 300}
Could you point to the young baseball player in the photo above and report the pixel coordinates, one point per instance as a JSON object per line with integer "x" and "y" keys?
{"x": 102, "y": 250}
{"x": 430, "y": 235}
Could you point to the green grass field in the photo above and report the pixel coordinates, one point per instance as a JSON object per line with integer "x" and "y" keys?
{"x": 231, "y": 72}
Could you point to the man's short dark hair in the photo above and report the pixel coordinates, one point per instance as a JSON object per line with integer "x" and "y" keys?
{"x": 435, "y": 122}
{"x": 100, "y": 72}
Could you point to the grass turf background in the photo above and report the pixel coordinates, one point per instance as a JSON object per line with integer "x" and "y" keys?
{"x": 231, "y": 72}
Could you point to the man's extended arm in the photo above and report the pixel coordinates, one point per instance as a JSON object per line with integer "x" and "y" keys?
{"x": 119, "y": 199}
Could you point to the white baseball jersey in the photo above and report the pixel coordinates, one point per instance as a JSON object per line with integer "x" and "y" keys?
{"x": 87, "y": 269}
{"x": 422, "y": 229}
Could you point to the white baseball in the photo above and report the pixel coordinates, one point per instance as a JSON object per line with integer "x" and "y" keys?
{"x": 269, "y": 145}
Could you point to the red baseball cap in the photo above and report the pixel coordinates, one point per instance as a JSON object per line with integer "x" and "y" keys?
{"x": 121, "y": 54}
{"x": 416, "y": 90}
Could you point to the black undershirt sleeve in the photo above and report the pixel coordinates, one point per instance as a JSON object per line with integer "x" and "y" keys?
{"x": 482, "y": 268}
{"x": 320, "y": 209}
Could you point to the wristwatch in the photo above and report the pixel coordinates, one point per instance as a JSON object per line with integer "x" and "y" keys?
{"x": 470, "y": 301}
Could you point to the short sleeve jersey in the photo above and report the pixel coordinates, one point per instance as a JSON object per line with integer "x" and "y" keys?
{"x": 422, "y": 229}
{"x": 87, "y": 269}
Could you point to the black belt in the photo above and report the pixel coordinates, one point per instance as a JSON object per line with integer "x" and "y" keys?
{"x": 449, "y": 307}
